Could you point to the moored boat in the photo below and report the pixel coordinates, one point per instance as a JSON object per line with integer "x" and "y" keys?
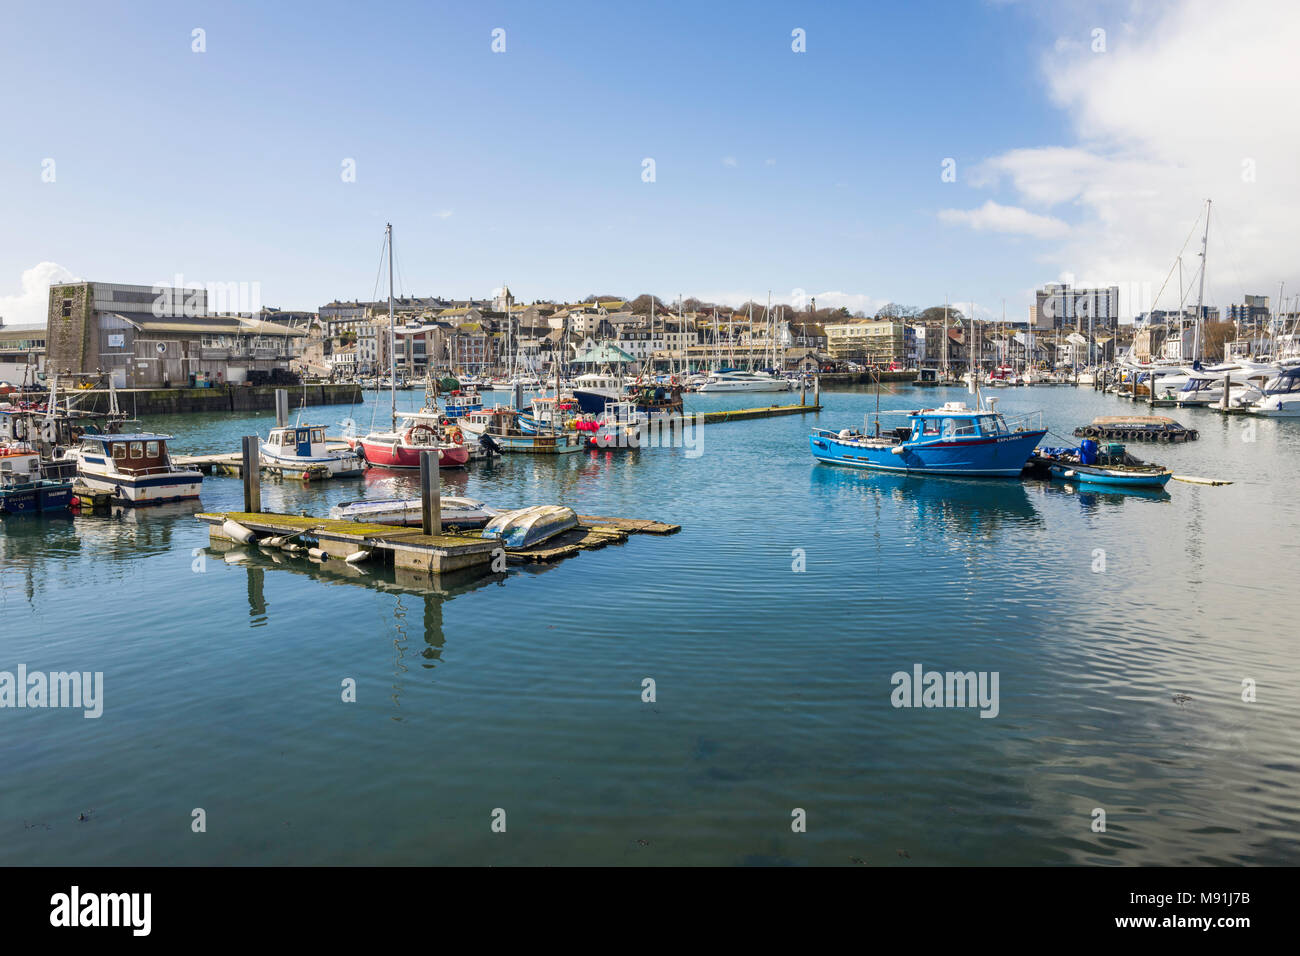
{"x": 415, "y": 432}
{"x": 408, "y": 512}
{"x": 500, "y": 426}
{"x": 461, "y": 402}
{"x": 23, "y": 488}
{"x": 137, "y": 468}
{"x": 526, "y": 527}
{"x": 949, "y": 440}
{"x": 301, "y": 451}
{"x": 1281, "y": 396}
{"x": 1108, "y": 464}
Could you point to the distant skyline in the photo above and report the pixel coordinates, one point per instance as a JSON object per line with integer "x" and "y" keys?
{"x": 860, "y": 154}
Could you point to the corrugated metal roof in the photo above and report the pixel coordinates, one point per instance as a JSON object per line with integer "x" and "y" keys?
{"x": 199, "y": 324}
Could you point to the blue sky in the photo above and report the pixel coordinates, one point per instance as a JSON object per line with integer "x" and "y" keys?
{"x": 773, "y": 169}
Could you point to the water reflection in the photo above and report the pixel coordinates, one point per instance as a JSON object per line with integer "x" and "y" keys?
{"x": 1095, "y": 497}
{"x": 953, "y": 505}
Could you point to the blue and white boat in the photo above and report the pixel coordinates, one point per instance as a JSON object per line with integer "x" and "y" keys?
{"x": 23, "y": 486}
{"x": 950, "y": 440}
{"x": 302, "y": 451}
{"x": 136, "y": 468}
{"x": 461, "y": 402}
{"x": 1109, "y": 464}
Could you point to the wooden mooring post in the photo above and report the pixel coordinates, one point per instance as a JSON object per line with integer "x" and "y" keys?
{"x": 252, "y": 468}
{"x": 430, "y": 493}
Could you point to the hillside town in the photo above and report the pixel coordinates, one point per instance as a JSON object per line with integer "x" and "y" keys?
{"x": 143, "y": 336}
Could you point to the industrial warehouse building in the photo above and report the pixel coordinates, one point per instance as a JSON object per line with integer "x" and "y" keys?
{"x": 157, "y": 336}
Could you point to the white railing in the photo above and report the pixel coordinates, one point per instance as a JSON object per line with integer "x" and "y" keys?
{"x": 1030, "y": 421}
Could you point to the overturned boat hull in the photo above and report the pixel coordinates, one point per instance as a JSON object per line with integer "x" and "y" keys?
{"x": 530, "y": 526}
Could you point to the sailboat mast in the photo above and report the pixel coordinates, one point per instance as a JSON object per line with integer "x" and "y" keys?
{"x": 1197, "y": 343}
{"x": 392, "y": 328}
{"x": 945, "y": 337}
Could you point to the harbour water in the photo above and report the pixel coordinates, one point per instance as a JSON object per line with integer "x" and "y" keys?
{"x": 1121, "y": 626}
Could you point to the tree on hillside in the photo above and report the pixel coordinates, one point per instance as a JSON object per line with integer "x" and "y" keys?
{"x": 1217, "y": 335}
{"x": 892, "y": 310}
{"x": 641, "y": 304}
{"x": 935, "y": 314}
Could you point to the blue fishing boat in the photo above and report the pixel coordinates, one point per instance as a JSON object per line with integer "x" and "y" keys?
{"x": 462, "y": 402}
{"x": 950, "y": 440}
{"x": 23, "y": 488}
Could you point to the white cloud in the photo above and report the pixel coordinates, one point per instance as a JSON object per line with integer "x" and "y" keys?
{"x": 444, "y": 214}
{"x": 993, "y": 217}
{"x": 31, "y": 304}
{"x": 769, "y": 162}
{"x": 1190, "y": 101}
{"x": 729, "y": 161}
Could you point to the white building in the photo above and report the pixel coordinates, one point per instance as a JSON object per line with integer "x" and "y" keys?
{"x": 1058, "y": 306}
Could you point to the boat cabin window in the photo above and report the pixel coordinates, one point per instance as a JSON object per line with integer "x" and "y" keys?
{"x": 119, "y": 451}
{"x": 151, "y": 450}
{"x": 318, "y": 434}
{"x": 286, "y": 439}
{"x": 992, "y": 425}
{"x": 930, "y": 426}
{"x": 137, "y": 449}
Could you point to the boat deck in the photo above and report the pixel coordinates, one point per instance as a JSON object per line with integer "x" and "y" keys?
{"x": 232, "y": 463}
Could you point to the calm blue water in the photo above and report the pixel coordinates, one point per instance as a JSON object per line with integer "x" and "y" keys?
{"x": 222, "y": 681}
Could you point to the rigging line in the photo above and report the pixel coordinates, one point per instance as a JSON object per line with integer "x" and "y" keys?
{"x": 1191, "y": 232}
{"x": 374, "y": 296}
{"x": 401, "y": 281}
{"x": 1221, "y": 235}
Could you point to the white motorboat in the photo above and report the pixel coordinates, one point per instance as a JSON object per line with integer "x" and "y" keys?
{"x": 137, "y": 468}
{"x": 408, "y": 512}
{"x": 737, "y": 380}
{"x": 1281, "y": 396}
{"x": 301, "y": 451}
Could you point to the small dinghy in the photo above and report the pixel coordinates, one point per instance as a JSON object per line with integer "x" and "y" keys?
{"x": 1110, "y": 464}
{"x": 406, "y": 512}
{"x": 529, "y": 526}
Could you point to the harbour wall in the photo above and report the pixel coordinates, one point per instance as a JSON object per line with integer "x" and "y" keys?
{"x": 832, "y": 379}
{"x": 221, "y": 398}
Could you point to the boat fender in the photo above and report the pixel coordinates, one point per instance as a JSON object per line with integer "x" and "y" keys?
{"x": 1068, "y": 473}
{"x": 356, "y": 557}
{"x": 237, "y": 532}
{"x": 899, "y": 450}
{"x": 318, "y": 554}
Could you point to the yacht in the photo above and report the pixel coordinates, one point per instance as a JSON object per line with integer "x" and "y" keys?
{"x": 736, "y": 380}
{"x": 1281, "y": 396}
